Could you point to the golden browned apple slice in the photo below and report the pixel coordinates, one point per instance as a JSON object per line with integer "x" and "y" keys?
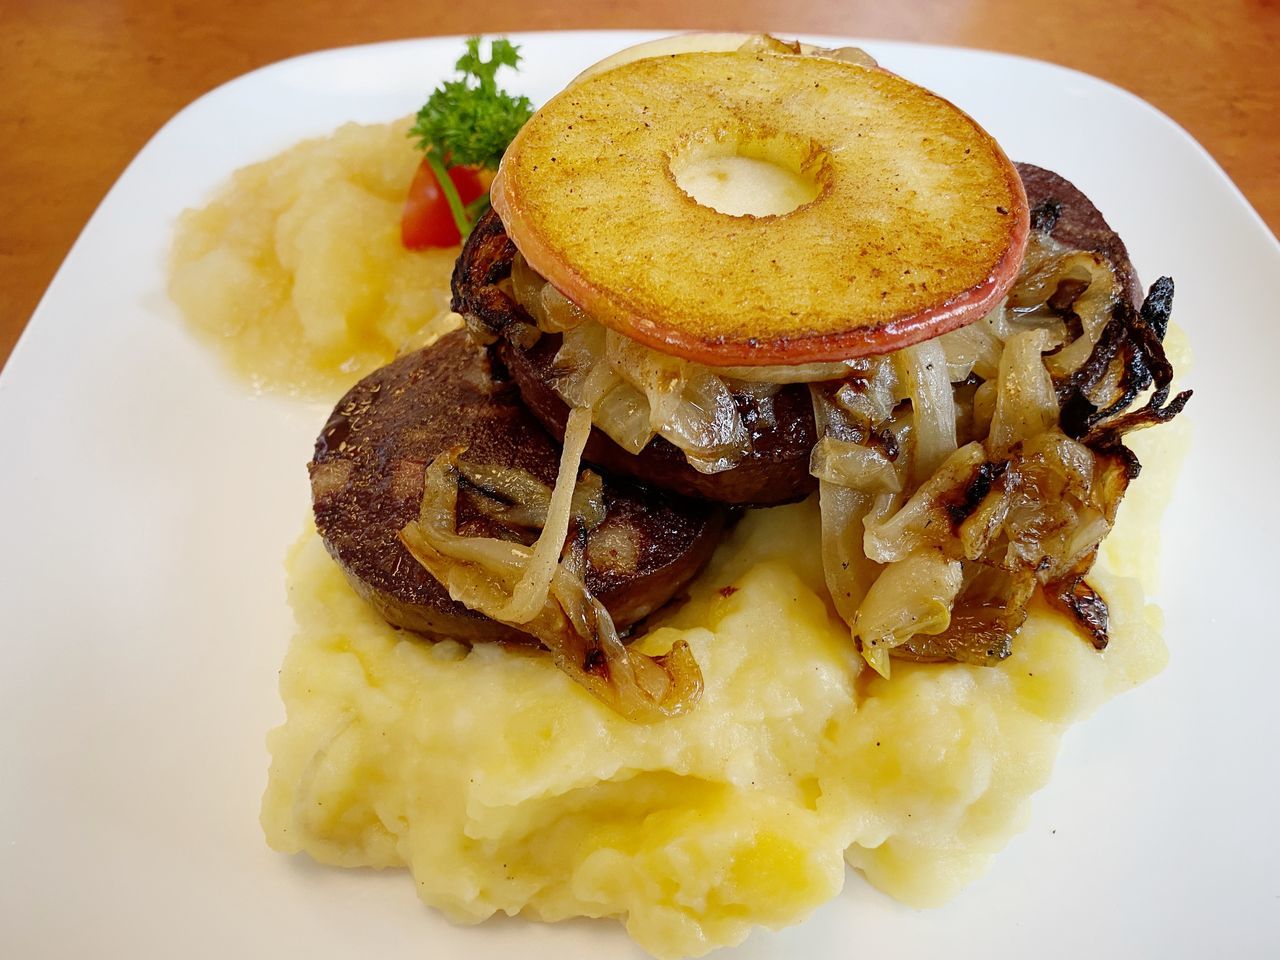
{"x": 764, "y": 208}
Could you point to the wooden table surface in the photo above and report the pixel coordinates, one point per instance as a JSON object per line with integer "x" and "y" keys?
{"x": 85, "y": 83}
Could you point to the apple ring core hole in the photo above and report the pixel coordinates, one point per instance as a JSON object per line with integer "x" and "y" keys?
{"x": 755, "y": 174}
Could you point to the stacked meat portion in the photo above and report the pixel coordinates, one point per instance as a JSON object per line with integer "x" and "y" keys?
{"x": 538, "y": 479}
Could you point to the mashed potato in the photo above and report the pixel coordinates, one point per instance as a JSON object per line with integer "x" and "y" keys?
{"x": 296, "y": 273}
{"x": 503, "y": 786}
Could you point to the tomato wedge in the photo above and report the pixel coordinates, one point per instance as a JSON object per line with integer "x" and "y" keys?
{"x": 426, "y": 220}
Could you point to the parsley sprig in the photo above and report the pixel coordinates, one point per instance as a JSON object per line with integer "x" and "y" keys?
{"x": 470, "y": 122}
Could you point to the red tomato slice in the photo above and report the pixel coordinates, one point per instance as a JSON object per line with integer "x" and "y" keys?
{"x": 426, "y": 221}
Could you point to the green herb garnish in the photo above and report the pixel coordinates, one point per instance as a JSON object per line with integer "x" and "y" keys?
{"x": 469, "y": 122}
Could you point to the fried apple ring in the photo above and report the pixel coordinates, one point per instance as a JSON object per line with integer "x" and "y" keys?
{"x": 917, "y": 222}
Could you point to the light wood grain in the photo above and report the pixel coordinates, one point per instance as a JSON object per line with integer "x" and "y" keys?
{"x": 84, "y": 83}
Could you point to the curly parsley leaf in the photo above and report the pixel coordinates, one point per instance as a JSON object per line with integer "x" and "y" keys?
{"x": 470, "y": 121}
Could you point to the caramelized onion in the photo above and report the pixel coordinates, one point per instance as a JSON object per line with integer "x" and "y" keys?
{"x": 504, "y": 580}
{"x": 924, "y": 373}
{"x": 635, "y": 394}
{"x": 955, "y": 476}
{"x": 1035, "y": 395}
{"x": 551, "y": 310}
{"x": 529, "y": 594}
{"x": 854, "y": 465}
{"x": 843, "y": 505}
{"x": 911, "y": 596}
{"x": 1026, "y": 403}
{"x": 800, "y": 373}
{"x": 923, "y": 520}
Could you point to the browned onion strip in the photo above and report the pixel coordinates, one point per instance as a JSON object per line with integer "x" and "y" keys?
{"x": 973, "y": 349}
{"x": 485, "y": 574}
{"x": 1004, "y": 525}
{"x": 800, "y": 373}
{"x": 529, "y": 593}
{"x": 1026, "y": 404}
{"x": 855, "y": 465}
{"x": 924, "y": 372}
{"x": 844, "y": 465}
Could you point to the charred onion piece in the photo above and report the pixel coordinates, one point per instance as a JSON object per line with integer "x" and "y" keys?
{"x": 1081, "y": 602}
{"x": 1129, "y": 359}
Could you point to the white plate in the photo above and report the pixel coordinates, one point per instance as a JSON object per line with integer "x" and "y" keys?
{"x": 148, "y": 499}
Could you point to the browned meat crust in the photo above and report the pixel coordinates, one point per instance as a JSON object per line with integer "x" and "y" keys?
{"x": 367, "y": 483}
{"x": 777, "y": 471}
{"x": 1070, "y": 217}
